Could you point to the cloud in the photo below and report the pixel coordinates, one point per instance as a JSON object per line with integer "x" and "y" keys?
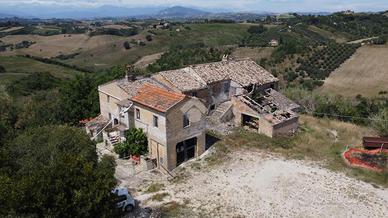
{"x": 241, "y": 5}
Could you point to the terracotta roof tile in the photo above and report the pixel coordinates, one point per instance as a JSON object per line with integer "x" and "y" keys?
{"x": 157, "y": 98}
{"x": 132, "y": 87}
{"x": 244, "y": 72}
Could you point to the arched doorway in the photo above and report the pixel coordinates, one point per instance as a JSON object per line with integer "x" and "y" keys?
{"x": 185, "y": 150}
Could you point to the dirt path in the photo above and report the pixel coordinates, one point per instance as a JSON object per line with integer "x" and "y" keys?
{"x": 254, "y": 184}
{"x": 147, "y": 60}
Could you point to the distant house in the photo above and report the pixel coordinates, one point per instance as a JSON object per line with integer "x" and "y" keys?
{"x": 347, "y": 12}
{"x": 274, "y": 43}
{"x": 173, "y": 107}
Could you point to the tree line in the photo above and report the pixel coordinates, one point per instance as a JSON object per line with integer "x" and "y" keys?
{"x": 372, "y": 112}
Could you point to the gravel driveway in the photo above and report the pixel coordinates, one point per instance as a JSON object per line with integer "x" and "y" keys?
{"x": 254, "y": 184}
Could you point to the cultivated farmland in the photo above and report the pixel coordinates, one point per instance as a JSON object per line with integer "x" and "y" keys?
{"x": 365, "y": 73}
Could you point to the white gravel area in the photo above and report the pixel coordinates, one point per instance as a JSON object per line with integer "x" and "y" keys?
{"x": 254, "y": 184}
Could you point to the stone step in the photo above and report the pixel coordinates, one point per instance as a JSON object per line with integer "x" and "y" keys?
{"x": 114, "y": 140}
{"x": 219, "y": 112}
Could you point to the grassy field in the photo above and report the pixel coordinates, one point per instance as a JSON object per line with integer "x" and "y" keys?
{"x": 339, "y": 38}
{"x": 51, "y": 46}
{"x": 253, "y": 53}
{"x": 319, "y": 140}
{"x": 105, "y": 51}
{"x": 214, "y": 35}
{"x": 18, "y": 67}
{"x": 365, "y": 73}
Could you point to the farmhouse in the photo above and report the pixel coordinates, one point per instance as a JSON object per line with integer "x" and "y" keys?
{"x": 175, "y": 107}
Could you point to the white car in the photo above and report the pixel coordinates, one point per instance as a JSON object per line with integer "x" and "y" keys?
{"x": 124, "y": 201}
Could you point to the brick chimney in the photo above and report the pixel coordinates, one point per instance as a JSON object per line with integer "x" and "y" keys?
{"x": 130, "y": 73}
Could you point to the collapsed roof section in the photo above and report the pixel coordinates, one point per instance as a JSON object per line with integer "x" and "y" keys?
{"x": 272, "y": 106}
{"x": 97, "y": 123}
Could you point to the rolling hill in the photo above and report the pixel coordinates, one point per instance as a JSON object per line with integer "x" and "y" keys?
{"x": 181, "y": 12}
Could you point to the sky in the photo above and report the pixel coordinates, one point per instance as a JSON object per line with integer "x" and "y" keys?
{"x": 230, "y": 5}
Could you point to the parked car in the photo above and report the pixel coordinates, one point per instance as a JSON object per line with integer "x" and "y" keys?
{"x": 125, "y": 201}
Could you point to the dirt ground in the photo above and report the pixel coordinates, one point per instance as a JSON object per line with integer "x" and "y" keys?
{"x": 253, "y": 53}
{"x": 366, "y": 73}
{"x": 147, "y": 60}
{"x": 51, "y": 46}
{"x": 253, "y": 183}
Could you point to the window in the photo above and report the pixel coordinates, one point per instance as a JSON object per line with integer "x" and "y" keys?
{"x": 110, "y": 116}
{"x": 155, "y": 121}
{"x": 107, "y": 98}
{"x": 226, "y": 88}
{"x": 137, "y": 113}
{"x": 186, "y": 120}
{"x": 194, "y": 94}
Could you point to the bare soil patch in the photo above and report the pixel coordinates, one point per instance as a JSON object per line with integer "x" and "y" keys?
{"x": 11, "y": 29}
{"x": 365, "y": 73}
{"x": 253, "y": 53}
{"x": 116, "y": 26}
{"x": 147, "y": 60}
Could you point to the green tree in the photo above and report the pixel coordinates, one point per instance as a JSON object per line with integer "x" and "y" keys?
{"x": 149, "y": 38}
{"x": 32, "y": 83}
{"x": 8, "y": 117}
{"x": 78, "y": 99}
{"x": 40, "y": 109}
{"x": 54, "y": 171}
{"x": 2, "y": 69}
{"x": 380, "y": 122}
{"x": 256, "y": 29}
{"x": 135, "y": 143}
{"x": 126, "y": 45}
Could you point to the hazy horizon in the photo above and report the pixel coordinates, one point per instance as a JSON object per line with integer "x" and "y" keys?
{"x": 275, "y": 6}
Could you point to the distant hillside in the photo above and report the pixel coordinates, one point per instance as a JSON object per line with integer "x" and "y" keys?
{"x": 42, "y": 11}
{"x": 57, "y": 11}
{"x": 181, "y": 12}
{"x": 6, "y": 15}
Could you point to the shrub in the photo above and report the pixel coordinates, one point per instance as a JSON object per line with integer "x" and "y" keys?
{"x": 290, "y": 76}
{"x": 380, "y": 122}
{"x": 137, "y": 141}
{"x": 256, "y": 29}
{"x": 122, "y": 150}
{"x": 31, "y": 83}
{"x": 2, "y": 69}
{"x": 149, "y": 38}
{"x": 126, "y": 45}
{"x": 135, "y": 144}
